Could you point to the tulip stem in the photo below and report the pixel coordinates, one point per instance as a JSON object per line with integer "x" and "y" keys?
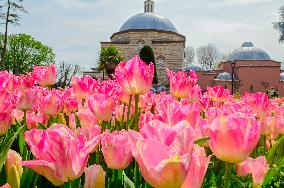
{"x": 227, "y": 175}
{"x": 128, "y": 112}
{"x": 136, "y": 175}
{"x": 264, "y": 145}
{"x": 136, "y": 115}
{"x": 122, "y": 118}
{"x": 68, "y": 184}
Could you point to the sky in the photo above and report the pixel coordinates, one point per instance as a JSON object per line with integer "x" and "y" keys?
{"x": 75, "y": 28}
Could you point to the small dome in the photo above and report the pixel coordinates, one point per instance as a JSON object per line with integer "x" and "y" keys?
{"x": 148, "y": 20}
{"x": 193, "y": 67}
{"x": 225, "y": 76}
{"x": 282, "y": 76}
{"x": 248, "y": 52}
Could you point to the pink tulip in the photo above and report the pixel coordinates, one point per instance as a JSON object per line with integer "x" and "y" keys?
{"x": 84, "y": 87}
{"x": 197, "y": 169}
{"x": 181, "y": 84}
{"x": 218, "y": 94}
{"x": 101, "y": 106}
{"x": 11, "y": 83}
{"x": 8, "y": 101}
{"x": 116, "y": 150}
{"x": 33, "y": 119}
{"x": 91, "y": 132}
{"x": 69, "y": 102}
{"x": 135, "y": 76}
{"x": 94, "y": 177}
{"x": 18, "y": 116}
{"x": 257, "y": 167}
{"x": 26, "y": 82}
{"x": 164, "y": 154}
{"x": 5, "y": 122}
{"x": 233, "y": 138}
{"x": 26, "y": 100}
{"x": 86, "y": 117}
{"x": 51, "y": 103}
{"x": 61, "y": 155}
{"x": 269, "y": 127}
{"x": 169, "y": 112}
{"x": 258, "y": 102}
{"x": 45, "y": 76}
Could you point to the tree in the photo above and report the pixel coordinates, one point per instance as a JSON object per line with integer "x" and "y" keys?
{"x": 109, "y": 58}
{"x": 23, "y": 52}
{"x": 65, "y": 71}
{"x": 280, "y": 25}
{"x": 147, "y": 55}
{"x": 189, "y": 55}
{"x": 208, "y": 56}
{"x": 9, "y": 16}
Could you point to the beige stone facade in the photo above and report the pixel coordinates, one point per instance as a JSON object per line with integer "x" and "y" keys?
{"x": 168, "y": 48}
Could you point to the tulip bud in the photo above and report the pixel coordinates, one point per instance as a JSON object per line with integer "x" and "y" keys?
{"x": 14, "y": 168}
{"x": 94, "y": 177}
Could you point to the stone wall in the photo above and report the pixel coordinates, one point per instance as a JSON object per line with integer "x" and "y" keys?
{"x": 168, "y": 48}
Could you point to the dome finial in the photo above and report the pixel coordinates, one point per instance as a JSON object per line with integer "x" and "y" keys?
{"x": 149, "y": 6}
{"x": 247, "y": 44}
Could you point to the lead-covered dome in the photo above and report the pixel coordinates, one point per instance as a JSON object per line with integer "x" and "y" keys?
{"x": 193, "y": 67}
{"x": 248, "y": 52}
{"x": 148, "y": 20}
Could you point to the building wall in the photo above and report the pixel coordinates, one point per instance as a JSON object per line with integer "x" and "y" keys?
{"x": 205, "y": 79}
{"x": 168, "y": 48}
{"x": 255, "y": 77}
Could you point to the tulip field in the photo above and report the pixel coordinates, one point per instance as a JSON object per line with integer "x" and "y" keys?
{"x": 117, "y": 133}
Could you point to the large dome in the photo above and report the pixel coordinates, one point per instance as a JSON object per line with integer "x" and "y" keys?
{"x": 248, "y": 52}
{"x": 148, "y": 20}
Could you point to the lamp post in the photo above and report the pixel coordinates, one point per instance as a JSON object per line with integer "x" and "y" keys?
{"x": 233, "y": 66}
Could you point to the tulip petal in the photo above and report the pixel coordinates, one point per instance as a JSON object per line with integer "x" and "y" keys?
{"x": 47, "y": 170}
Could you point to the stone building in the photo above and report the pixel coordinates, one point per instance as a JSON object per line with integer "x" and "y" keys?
{"x": 152, "y": 31}
{"x": 254, "y": 71}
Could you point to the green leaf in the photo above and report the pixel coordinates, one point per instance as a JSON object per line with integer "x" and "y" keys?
{"x": 21, "y": 142}
{"x": 201, "y": 141}
{"x": 127, "y": 182}
{"x": 41, "y": 126}
{"x": 6, "y": 146}
{"x": 273, "y": 150}
{"x": 273, "y": 171}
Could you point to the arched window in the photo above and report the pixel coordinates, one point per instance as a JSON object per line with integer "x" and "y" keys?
{"x": 148, "y": 8}
{"x": 145, "y": 8}
{"x": 151, "y": 8}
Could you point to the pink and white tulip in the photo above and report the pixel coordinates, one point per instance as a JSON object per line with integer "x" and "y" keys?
{"x": 101, "y": 106}
{"x": 257, "y": 167}
{"x": 45, "y": 75}
{"x": 181, "y": 85}
{"x": 233, "y": 138}
{"x": 61, "y": 155}
{"x": 116, "y": 150}
{"x": 135, "y": 76}
{"x": 84, "y": 87}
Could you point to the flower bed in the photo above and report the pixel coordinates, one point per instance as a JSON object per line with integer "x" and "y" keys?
{"x": 117, "y": 133}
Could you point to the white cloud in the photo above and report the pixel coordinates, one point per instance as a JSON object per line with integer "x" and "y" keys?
{"x": 244, "y": 2}
{"x": 75, "y": 28}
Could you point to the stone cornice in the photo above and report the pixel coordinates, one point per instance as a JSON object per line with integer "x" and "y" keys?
{"x": 151, "y": 30}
